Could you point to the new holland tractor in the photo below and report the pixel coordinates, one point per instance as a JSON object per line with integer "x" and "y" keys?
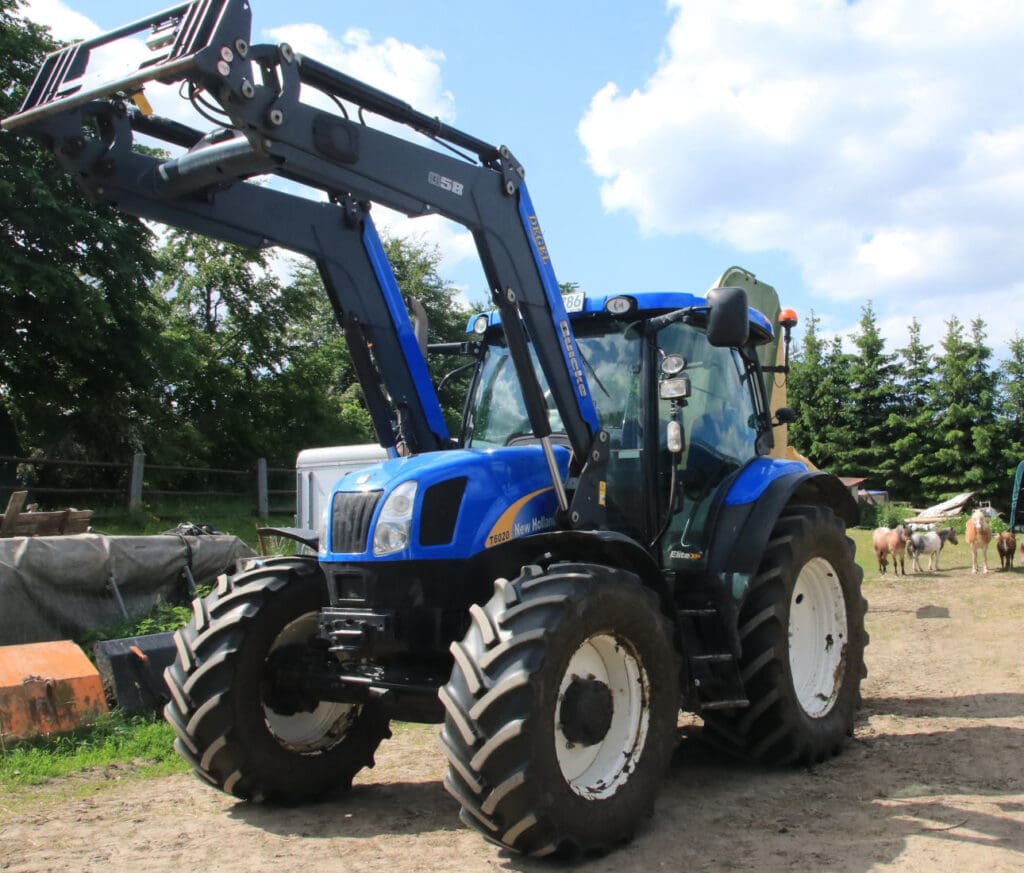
{"x": 607, "y": 540}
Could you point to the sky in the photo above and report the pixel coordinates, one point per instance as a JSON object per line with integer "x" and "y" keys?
{"x": 844, "y": 152}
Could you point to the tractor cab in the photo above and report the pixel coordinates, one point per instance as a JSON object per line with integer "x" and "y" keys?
{"x": 682, "y": 414}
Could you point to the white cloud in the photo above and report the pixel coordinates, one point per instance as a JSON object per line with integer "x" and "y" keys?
{"x": 408, "y": 72}
{"x": 65, "y": 24}
{"x": 879, "y": 144}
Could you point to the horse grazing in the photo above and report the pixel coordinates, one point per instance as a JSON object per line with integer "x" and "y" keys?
{"x": 930, "y": 543}
{"x": 1006, "y": 545}
{"x": 891, "y": 541}
{"x": 979, "y": 534}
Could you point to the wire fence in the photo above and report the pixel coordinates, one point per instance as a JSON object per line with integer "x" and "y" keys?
{"x": 60, "y": 481}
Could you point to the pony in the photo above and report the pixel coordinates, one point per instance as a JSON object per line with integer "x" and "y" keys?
{"x": 930, "y": 544}
{"x": 1006, "y": 545}
{"x": 891, "y": 541}
{"x": 979, "y": 534}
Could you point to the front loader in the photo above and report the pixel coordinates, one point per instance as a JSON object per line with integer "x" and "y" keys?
{"x": 606, "y": 541}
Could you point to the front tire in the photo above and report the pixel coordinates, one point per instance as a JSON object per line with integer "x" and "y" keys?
{"x": 561, "y": 710}
{"x": 243, "y": 731}
{"x": 801, "y": 630}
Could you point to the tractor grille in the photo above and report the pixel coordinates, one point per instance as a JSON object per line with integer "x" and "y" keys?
{"x": 350, "y": 520}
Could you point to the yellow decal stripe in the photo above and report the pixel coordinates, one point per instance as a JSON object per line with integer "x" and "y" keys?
{"x": 502, "y": 530}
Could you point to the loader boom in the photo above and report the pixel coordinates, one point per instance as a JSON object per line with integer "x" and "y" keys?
{"x": 270, "y": 128}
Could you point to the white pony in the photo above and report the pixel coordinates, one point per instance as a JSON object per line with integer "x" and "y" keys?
{"x": 930, "y": 544}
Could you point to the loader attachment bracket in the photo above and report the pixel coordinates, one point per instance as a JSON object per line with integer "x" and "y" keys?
{"x": 202, "y": 36}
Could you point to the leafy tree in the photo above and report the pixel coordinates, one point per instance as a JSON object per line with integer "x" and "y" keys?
{"x": 80, "y": 348}
{"x": 262, "y": 368}
{"x": 230, "y": 388}
{"x": 416, "y": 268}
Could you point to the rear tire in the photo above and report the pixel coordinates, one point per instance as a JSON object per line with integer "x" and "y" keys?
{"x": 242, "y": 733}
{"x": 801, "y": 630}
{"x": 561, "y": 710}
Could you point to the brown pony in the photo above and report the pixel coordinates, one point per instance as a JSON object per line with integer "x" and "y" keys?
{"x": 893, "y": 542}
{"x": 1006, "y": 545}
{"x": 979, "y": 535}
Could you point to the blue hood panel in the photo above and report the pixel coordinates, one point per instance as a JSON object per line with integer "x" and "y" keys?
{"x": 508, "y": 494}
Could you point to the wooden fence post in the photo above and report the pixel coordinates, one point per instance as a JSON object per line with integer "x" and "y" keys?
{"x": 261, "y": 488}
{"x": 135, "y": 487}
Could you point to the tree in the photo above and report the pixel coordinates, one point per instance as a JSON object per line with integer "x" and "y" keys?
{"x": 1011, "y": 401}
{"x": 819, "y": 391}
{"x": 261, "y": 368}
{"x": 872, "y": 378}
{"x": 963, "y": 399}
{"x": 80, "y": 348}
{"x": 912, "y": 438}
{"x": 230, "y": 386}
{"x": 416, "y": 268}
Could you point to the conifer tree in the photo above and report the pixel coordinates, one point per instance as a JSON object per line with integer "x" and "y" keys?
{"x": 872, "y": 399}
{"x": 912, "y": 432}
{"x": 963, "y": 398}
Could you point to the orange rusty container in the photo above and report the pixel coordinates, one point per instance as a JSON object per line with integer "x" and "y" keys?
{"x": 47, "y": 688}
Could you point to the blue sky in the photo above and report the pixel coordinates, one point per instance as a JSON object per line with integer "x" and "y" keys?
{"x": 843, "y": 152}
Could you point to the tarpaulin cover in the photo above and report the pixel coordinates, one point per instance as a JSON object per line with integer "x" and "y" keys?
{"x": 53, "y": 588}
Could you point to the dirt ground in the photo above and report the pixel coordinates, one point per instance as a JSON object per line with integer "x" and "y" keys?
{"x": 933, "y": 780}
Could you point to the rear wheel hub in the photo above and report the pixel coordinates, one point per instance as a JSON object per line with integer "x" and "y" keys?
{"x": 587, "y": 709}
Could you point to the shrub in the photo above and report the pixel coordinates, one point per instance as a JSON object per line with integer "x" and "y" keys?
{"x": 883, "y": 514}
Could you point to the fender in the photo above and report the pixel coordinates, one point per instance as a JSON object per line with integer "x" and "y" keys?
{"x": 591, "y": 547}
{"x": 742, "y": 532}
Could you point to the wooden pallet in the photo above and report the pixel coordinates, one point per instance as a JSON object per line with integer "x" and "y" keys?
{"x": 15, "y": 523}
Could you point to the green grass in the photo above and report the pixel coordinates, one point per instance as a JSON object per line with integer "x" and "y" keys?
{"x": 143, "y": 743}
{"x": 236, "y": 517}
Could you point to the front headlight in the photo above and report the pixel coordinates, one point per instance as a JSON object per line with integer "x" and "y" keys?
{"x": 394, "y": 524}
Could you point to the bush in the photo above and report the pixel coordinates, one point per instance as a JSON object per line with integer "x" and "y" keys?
{"x": 874, "y": 515}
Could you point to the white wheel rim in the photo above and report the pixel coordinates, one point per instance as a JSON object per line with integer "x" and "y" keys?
{"x": 817, "y": 637}
{"x": 327, "y": 724}
{"x": 599, "y": 770}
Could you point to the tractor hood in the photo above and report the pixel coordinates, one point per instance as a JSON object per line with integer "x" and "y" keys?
{"x": 440, "y": 505}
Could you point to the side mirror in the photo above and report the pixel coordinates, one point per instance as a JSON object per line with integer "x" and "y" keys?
{"x": 728, "y": 317}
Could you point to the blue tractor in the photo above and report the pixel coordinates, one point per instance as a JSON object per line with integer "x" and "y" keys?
{"x": 606, "y": 542}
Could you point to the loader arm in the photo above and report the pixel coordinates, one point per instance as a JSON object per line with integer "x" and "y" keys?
{"x": 269, "y": 128}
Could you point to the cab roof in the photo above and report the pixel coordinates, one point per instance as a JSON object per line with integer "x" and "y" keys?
{"x": 647, "y": 303}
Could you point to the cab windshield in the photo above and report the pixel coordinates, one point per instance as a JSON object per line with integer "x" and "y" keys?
{"x": 612, "y": 361}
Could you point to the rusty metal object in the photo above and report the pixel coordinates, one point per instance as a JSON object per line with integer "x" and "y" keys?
{"x": 47, "y": 688}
